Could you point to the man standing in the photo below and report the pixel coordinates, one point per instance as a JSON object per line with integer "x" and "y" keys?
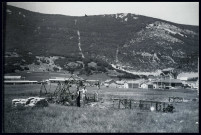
{"x": 81, "y": 97}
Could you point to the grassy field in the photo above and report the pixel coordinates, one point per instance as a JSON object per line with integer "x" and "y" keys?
{"x": 57, "y": 118}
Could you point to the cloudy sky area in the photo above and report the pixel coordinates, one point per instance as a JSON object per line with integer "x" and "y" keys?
{"x": 178, "y": 12}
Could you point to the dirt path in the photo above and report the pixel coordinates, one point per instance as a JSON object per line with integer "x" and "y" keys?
{"x": 79, "y": 43}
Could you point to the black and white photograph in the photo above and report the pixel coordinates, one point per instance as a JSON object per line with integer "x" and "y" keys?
{"x": 100, "y": 67}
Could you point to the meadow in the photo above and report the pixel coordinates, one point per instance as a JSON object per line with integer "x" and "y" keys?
{"x": 71, "y": 119}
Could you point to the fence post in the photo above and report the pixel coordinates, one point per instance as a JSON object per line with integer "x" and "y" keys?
{"x": 140, "y": 105}
{"x": 113, "y": 103}
{"x": 156, "y": 106}
{"x": 130, "y": 104}
{"x": 119, "y": 103}
{"x": 78, "y": 100}
{"x": 163, "y": 106}
{"x": 125, "y": 103}
{"x": 94, "y": 97}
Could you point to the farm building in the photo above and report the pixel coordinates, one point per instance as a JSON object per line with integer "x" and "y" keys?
{"x": 13, "y": 82}
{"x": 120, "y": 84}
{"x": 6, "y": 77}
{"x": 168, "y": 73}
{"x": 147, "y": 85}
{"x": 115, "y": 84}
{"x": 133, "y": 83}
{"x": 92, "y": 82}
{"x": 112, "y": 85}
{"x": 167, "y": 83}
{"x": 108, "y": 82}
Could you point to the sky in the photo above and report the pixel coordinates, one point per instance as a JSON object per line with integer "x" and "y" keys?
{"x": 178, "y": 12}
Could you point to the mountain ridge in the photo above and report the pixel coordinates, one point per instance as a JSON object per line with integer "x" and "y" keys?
{"x": 10, "y": 6}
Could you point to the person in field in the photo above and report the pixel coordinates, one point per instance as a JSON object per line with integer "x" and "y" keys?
{"x": 83, "y": 92}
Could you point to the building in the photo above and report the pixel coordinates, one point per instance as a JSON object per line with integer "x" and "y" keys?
{"x": 92, "y": 82}
{"x": 134, "y": 83}
{"x": 147, "y": 85}
{"x": 112, "y": 85}
{"x": 108, "y": 82}
{"x": 120, "y": 84}
{"x": 13, "y": 82}
{"x": 6, "y": 77}
{"x": 167, "y": 83}
{"x": 168, "y": 73}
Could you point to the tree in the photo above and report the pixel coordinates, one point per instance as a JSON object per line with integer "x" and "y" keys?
{"x": 71, "y": 70}
{"x": 26, "y": 68}
{"x": 88, "y": 71}
{"x": 55, "y": 69}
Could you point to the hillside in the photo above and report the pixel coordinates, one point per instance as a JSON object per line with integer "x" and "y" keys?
{"x": 133, "y": 42}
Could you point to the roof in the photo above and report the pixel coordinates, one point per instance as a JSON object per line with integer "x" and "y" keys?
{"x": 136, "y": 81}
{"x": 110, "y": 80}
{"x": 148, "y": 82}
{"x": 12, "y": 77}
{"x": 64, "y": 79}
{"x": 92, "y": 80}
{"x": 120, "y": 82}
{"x": 168, "y": 69}
{"x": 19, "y": 81}
{"x": 169, "y": 81}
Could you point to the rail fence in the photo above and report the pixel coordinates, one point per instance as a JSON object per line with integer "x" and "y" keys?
{"x": 142, "y": 105}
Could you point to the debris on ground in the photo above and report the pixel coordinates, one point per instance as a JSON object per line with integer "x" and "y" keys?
{"x": 152, "y": 108}
{"x": 30, "y": 102}
{"x": 186, "y": 100}
{"x": 181, "y": 121}
{"x": 101, "y": 105}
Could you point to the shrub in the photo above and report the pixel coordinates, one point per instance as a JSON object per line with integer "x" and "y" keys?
{"x": 55, "y": 69}
{"x": 37, "y": 63}
{"x": 26, "y": 68}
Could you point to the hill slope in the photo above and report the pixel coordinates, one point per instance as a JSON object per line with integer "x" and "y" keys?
{"x": 131, "y": 41}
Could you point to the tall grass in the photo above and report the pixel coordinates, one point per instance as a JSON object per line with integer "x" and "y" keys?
{"x": 57, "y": 118}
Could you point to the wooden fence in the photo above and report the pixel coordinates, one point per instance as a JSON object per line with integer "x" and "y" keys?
{"x": 91, "y": 97}
{"x": 139, "y": 104}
